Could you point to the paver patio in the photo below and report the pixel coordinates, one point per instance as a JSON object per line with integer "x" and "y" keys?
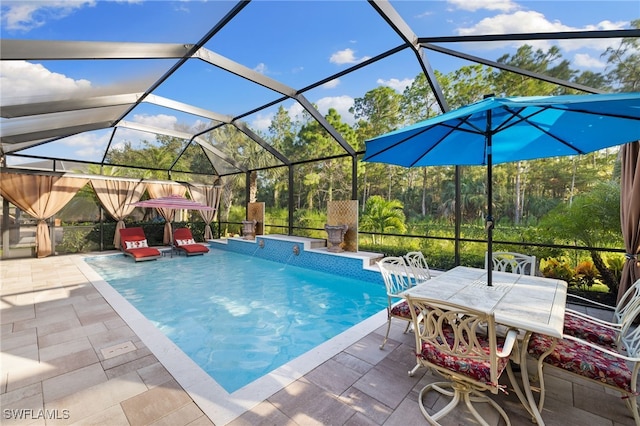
{"x": 69, "y": 358}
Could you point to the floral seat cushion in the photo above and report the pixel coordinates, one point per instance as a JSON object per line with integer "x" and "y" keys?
{"x": 479, "y": 370}
{"x": 401, "y": 309}
{"x": 587, "y": 330}
{"x": 581, "y": 359}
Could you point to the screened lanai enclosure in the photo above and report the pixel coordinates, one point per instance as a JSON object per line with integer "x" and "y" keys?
{"x": 271, "y": 101}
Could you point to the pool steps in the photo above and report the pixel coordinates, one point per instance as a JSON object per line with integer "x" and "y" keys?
{"x": 312, "y": 253}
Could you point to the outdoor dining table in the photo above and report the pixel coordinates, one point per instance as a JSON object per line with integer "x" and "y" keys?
{"x": 529, "y": 303}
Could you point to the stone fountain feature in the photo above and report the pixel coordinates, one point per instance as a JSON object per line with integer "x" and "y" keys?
{"x": 249, "y": 229}
{"x": 335, "y": 237}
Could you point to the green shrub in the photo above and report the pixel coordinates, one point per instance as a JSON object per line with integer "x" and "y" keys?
{"x": 615, "y": 263}
{"x": 586, "y": 274}
{"x": 559, "y": 269}
{"x": 77, "y": 239}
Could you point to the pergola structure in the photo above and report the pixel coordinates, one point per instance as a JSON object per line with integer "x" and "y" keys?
{"x": 37, "y": 128}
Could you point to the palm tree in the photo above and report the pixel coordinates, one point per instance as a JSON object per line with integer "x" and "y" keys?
{"x": 592, "y": 219}
{"x": 382, "y": 216}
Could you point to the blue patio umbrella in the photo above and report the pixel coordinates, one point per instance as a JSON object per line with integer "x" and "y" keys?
{"x": 501, "y": 130}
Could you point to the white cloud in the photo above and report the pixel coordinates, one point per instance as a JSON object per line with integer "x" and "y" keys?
{"x": 296, "y": 111}
{"x": 261, "y": 68}
{"x": 424, "y": 14}
{"x": 473, "y": 5}
{"x": 395, "y": 84}
{"x": 22, "y": 81}
{"x": 88, "y": 145}
{"x": 25, "y": 16}
{"x": 262, "y": 122}
{"x": 517, "y": 22}
{"x": 25, "y": 82}
{"x": 198, "y": 125}
{"x": 584, "y": 60}
{"x": 340, "y": 103}
{"x": 536, "y": 22}
{"x": 331, "y": 84}
{"x": 346, "y": 56}
{"x": 133, "y": 136}
{"x": 162, "y": 121}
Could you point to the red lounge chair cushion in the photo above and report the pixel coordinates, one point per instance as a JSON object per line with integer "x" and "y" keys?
{"x": 478, "y": 370}
{"x": 140, "y": 253}
{"x": 194, "y": 248}
{"x": 583, "y": 360}
{"x": 586, "y": 330}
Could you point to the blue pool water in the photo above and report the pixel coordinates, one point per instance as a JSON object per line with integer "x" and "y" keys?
{"x": 240, "y": 317}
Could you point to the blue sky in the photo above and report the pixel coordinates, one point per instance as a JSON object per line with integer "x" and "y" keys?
{"x": 294, "y": 42}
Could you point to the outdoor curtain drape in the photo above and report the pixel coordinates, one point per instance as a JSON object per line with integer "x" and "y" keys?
{"x": 116, "y": 197}
{"x": 41, "y": 196}
{"x": 210, "y": 196}
{"x": 157, "y": 190}
{"x": 630, "y": 213}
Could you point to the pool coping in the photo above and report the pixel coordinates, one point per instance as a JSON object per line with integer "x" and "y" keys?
{"x": 218, "y": 404}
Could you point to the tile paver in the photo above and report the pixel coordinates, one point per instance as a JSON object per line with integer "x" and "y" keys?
{"x": 155, "y": 403}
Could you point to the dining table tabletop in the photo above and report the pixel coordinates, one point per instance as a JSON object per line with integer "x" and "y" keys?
{"x": 525, "y": 302}
{"x": 528, "y": 303}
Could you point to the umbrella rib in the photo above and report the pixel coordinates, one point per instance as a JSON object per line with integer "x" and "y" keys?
{"x": 603, "y": 114}
{"x": 431, "y": 147}
{"x": 451, "y": 129}
{"x": 517, "y": 114}
{"x": 569, "y": 145}
{"x": 401, "y": 141}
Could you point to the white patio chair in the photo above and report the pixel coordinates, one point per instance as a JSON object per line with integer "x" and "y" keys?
{"x": 517, "y": 263}
{"x": 460, "y": 344}
{"x": 611, "y": 367}
{"x": 596, "y": 330}
{"x": 395, "y": 274}
{"x": 418, "y": 266}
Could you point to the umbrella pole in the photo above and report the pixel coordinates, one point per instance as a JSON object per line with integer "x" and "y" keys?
{"x": 489, "y": 221}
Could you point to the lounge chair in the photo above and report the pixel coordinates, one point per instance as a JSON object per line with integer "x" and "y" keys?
{"x": 183, "y": 242}
{"x": 133, "y": 243}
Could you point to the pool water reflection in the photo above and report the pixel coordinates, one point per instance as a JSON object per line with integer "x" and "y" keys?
{"x": 240, "y": 317}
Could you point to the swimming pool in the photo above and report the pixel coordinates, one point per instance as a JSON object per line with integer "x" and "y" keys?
{"x": 240, "y": 317}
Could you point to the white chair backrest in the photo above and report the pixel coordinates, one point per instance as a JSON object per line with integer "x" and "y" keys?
{"x": 516, "y": 263}
{"x": 395, "y": 274}
{"x": 418, "y": 266}
{"x": 625, "y": 305}
{"x": 631, "y": 343}
{"x": 454, "y": 330}
{"x": 628, "y": 337}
